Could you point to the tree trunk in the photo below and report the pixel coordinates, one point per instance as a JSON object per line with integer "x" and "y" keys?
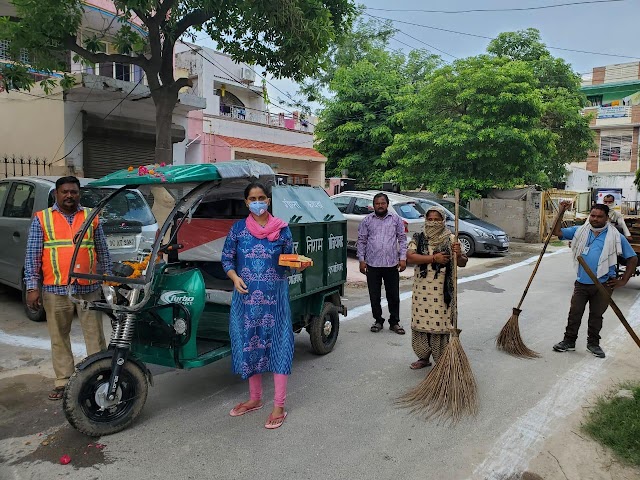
{"x": 165, "y": 103}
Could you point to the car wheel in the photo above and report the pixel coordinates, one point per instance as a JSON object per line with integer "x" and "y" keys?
{"x": 467, "y": 244}
{"x": 37, "y": 315}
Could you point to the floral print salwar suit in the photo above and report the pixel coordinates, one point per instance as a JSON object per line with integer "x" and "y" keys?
{"x": 260, "y": 320}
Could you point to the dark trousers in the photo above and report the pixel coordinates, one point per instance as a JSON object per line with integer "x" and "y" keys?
{"x": 598, "y": 303}
{"x": 391, "y": 277}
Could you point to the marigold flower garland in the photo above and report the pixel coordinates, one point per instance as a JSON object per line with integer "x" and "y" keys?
{"x": 144, "y": 170}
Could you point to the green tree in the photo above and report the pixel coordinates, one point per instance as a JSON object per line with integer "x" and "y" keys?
{"x": 467, "y": 128}
{"x": 358, "y": 121}
{"x": 287, "y": 37}
{"x": 474, "y": 125}
{"x": 354, "y": 44}
{"x": 562, "y": 100}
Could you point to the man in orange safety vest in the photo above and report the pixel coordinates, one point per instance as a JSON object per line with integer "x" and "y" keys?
{"x": 48, "y": 260}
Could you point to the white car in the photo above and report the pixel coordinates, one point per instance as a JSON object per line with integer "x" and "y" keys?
{"x": 356, "y": 205}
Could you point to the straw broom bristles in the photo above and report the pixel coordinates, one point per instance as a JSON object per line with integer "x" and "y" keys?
{"x": 510, "y": 340}
{"x": 449, "y": 391}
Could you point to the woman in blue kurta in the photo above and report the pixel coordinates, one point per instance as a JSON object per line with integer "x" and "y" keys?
{"x": 260, "y": 319}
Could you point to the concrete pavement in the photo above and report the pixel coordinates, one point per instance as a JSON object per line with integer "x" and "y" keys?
{"x": 343, "y": 422}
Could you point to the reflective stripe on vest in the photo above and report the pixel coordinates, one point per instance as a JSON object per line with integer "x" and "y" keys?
{"x": 58, "y": 246}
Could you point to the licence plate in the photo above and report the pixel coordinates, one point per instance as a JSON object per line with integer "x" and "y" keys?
{"x": 121, "y": 241}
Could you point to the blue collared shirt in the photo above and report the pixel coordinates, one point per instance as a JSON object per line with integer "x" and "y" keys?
{"x": 595, "y": 245}
{"x": 33, "y": 258}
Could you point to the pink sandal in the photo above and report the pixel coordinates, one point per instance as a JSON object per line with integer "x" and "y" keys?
{"x": 236, "y": 413}
{"x": 278, "y": 421}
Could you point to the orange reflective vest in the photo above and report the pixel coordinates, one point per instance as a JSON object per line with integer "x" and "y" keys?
{"x": 58, "y": 246}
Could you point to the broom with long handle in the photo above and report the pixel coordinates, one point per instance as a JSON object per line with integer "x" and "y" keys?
{"x": 605, "y": 292}
{"x": 509, "y": 338}
{"x": 449, "y": 391}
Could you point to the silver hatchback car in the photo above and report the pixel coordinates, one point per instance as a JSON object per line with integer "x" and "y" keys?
{"x": 356, "y": 205}
{"x": 127, "y": 221}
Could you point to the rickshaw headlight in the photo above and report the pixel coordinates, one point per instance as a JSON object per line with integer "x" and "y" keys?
{"x": 180, "y": 326}
{"x": 109, "y": 294}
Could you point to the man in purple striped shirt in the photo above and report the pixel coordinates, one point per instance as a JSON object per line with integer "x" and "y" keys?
{"x": 382, "y": 251}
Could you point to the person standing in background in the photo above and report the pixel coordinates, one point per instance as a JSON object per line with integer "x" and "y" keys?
{"x": 382, "y": 252}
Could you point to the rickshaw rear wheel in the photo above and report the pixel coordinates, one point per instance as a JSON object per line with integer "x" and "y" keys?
{"x": 85, "y": 404}
{"x": 324, "y": 329}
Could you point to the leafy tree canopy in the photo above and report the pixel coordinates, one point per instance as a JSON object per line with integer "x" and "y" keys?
{"x": 288, "y": 37}
{"x": 493, "y": 121}
{"x": 358, "y": 123}
{"x": 362, "y": 38}
{"x": 562, "y": 99}
{"x": 474, "y": 125}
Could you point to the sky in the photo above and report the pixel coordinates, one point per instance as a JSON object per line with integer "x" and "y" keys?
{"x": 608, "y": 28}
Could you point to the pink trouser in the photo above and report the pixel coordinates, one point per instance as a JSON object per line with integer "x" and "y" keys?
{"x": 280, "y": 387}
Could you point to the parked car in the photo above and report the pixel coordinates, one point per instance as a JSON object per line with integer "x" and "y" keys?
{"x": 475, "y": 235}
{"x": 356, "y": 205}
{"x": 128, "y": 224}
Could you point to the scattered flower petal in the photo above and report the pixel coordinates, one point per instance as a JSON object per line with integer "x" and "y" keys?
{"x": 65, "y": 459}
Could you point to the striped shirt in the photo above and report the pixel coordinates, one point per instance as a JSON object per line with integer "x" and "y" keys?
{"x": 382, "y": 241}
{"x": 33, "y": 258}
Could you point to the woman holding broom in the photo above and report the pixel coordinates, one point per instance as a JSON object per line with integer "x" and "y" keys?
{"x": 431, "y": 317}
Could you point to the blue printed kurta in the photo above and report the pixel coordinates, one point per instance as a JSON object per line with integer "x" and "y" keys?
{"x": 260, "y": 321}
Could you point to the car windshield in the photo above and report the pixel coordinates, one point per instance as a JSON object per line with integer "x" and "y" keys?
{"x": 127, "y": 205}
{"x": 464, "y": 213}
{"x": 408, "y": 210}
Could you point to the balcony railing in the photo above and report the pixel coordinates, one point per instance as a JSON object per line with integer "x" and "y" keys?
{"x": 291, "y": 122}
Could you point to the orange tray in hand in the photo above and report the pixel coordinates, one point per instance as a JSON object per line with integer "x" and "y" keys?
{"x": 294, "y": 260}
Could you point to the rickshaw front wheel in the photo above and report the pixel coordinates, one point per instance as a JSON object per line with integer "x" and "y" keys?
{"x": 324, "y": 329}
{"x": 85, "y": 403}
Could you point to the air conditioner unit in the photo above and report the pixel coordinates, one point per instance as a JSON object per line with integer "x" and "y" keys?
{"x": 247, "y": 75}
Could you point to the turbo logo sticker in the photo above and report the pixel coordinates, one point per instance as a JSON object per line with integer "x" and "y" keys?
{"x": 176, "y": 296}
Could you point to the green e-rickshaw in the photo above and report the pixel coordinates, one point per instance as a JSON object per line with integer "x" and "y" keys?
{"x": 170, "y": 305}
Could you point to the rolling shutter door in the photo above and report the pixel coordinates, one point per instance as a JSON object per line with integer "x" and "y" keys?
{"x": 107, "y": 152}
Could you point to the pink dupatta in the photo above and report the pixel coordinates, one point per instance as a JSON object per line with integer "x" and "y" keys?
{"x": 271, "y": 230}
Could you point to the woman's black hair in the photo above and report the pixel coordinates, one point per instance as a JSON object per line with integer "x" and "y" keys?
{"x": 253, "y": 185}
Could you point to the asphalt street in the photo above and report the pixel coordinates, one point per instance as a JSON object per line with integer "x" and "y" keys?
{"x": 342, "y": 419}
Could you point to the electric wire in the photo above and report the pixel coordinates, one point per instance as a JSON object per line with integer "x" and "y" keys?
{"x": 485, "y": 10}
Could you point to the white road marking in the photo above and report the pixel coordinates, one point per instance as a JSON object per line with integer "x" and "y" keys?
{"x": 517, "y": 446}
{"x": 366, "y": 309}
{"x": 79, "y": 349}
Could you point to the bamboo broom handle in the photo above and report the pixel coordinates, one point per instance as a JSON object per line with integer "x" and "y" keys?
{"x": 455, "y": 261}
{"x": 605, "y": 292}
{"x": 544, "y": 249}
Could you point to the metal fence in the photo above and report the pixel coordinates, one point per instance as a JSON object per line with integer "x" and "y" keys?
{"x": 19, "y": 166}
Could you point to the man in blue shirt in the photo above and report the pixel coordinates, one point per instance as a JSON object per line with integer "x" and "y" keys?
{"x": 600, "y": 244}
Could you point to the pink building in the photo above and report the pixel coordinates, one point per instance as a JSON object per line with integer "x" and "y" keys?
{"x": 237, "y": 123}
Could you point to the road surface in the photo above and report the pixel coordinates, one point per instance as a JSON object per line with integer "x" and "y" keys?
{"x": 342, "y": 421}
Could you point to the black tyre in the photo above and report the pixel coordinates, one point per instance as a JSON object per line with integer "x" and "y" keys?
{"x": 324, "y": 329}
{"x": 88, "y": 411}
{"x": 467, "y": 244}
{"x": 35, "y": 315}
